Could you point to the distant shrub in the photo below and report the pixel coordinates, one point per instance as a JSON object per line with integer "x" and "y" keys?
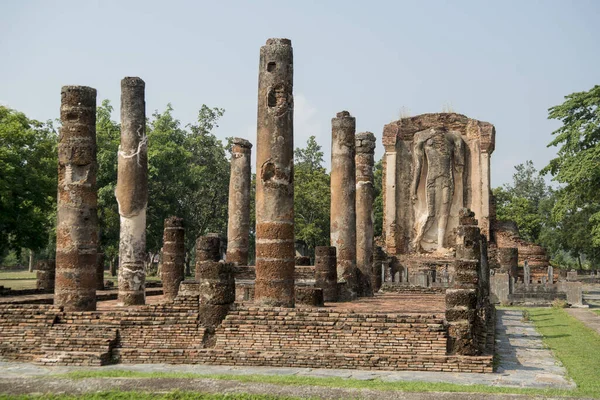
{"x": 559, "y": 303}
{"x": 526, "y": 316}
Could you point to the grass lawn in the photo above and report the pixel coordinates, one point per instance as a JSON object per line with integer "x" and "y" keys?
{"x": 18, "y": 279}
{"x": 596, "y": 311}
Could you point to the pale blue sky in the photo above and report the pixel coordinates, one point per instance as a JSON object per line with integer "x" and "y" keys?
{"x": 504, "y": 62}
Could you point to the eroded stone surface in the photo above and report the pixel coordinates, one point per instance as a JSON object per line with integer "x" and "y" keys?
{"x": 132, "y": 192}
{"x": 173, "y": 257}
{"x": 364, "y": 160}
{"x": 275, "y": 176}
{"x": 77, "y": 219}
{"x": 343, "y": 201}
{"x": 238, "y": 225}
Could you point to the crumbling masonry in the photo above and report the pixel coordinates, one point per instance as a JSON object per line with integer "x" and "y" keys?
{"x": 238, "y": 225}
{"x": 77, "y": 219}
{"x": 343, "y": 202}
{"x": 365, "y": 150}
{"x": 173, "y": 257}
{"x": 132, "y": 192}
{"x": 274, "y": 284}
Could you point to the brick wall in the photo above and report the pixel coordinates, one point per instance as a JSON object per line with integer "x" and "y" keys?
{"x": 301, "y": 337}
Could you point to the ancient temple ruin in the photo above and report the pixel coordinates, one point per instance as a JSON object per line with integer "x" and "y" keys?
{"x": 337, "y": 313}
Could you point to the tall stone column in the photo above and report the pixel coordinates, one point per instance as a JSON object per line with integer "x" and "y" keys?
{"x": 365, "y": 151}
{"x": 132, "y": 192}
{"x": 275, "y": 176}
{"x": 77, "y": 218}
{"x": 326, "y": 272}
{"x": 173, "y": 257}
{"x": 343, "y": 201}
{"x": 238, "y": 225}
{"x": 46, "y": 275}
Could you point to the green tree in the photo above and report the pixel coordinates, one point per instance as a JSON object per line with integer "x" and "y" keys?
{"x": 520, "y": 201}
{"x": 28, "y": 178}
{"x": 577, "y": 165}
{"x": 108, "y": 137}
{"x": 378, "y": 198}
{"x": 311, "y": 196}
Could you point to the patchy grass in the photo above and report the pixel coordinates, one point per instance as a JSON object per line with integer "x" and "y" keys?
{"x": 175, "y": 395}
{"x": 19, "y": 275}
{"x": 574, "y": 344}
{"x": 376, "y": 384}
{"x": 596, "y": 311}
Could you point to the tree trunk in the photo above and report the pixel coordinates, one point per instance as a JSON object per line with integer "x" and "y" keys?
{"x": 30, "y": 260}
{"x": 114, "y": 262}
{"x": 579, "y": 261}
{"x": 188, "y": 270}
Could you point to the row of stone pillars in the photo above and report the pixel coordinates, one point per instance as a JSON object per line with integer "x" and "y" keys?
{"x": 77, "y": 274}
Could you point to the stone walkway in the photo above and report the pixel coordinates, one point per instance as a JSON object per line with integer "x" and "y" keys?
{"x": 588, "y": 317}
{"x": 524, "y": 363}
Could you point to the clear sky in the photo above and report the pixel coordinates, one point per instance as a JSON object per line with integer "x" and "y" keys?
{"x": 505, "y": 62}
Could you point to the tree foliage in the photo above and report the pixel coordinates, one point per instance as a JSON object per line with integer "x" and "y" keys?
{"x": 28, "y": 175}
{"x": 311, "y": 196}
{"x": 576, "y": 209}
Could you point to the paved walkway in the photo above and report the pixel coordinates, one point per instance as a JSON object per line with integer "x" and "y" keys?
{"x": 588, "y": 317}
{"x": 524, "y": 363}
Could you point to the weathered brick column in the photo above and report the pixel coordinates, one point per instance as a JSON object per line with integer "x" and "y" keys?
{"x": 365, "y": 151}
{"x": 132, "y": 192}
{"x": 238, "y": 225}
{"x": 343, "y": 202}
{"x": 45, "y": 274}
{"x": 275, "y": 176}
{"x": 508, "y": 260}
{"x": 100, "y": 271}
{"x": 216, "y": 282}
{"x": 326, "y": 272}
{"x": 379, "y": 263}
{"x": 77, "y": 218}
{"x": 173, "y": 257}
{"x": 461, "y": 299}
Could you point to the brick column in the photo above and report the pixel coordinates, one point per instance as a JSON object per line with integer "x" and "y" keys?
{"x": 45, "y": 275}
{"x": 461, "y": 299}
{"x": 275, "y": 176}
{"x": 173, "y": 257}
{"x": 379, "y": 260}
{"x": 508, "y": 260}
{"x": 365, "y": 150}
{"x": 77, "y": 218}
{"x": 343, "y": 202}
{"x": 100, "y": 271}
{"x": 326, "y": 272}
{"x": 216, "y": 282}
{"x": 238, "y": 224}
{"x": 132, "y": 192}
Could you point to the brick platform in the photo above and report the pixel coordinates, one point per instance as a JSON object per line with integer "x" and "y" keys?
{"x": 367, "y": 334}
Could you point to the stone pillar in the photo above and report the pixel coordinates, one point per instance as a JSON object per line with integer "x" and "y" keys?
{"x": 550, "y": 274}
{"x": 238, "y": 225}
{"x": 100, "y": 271}
{"x": 508, "y": 260}
{"x": 326, "y": 272}
{"x": 275, "y": 176}
{"x": 343, "y": 201}
{"x": 132, "y": 192}
{"x": 77, "y": 218}
{"x": 216, "y": 282}
{"x": 461, "y": 299}
{"x": 526, "y": 273}
{"x": 173, "y": 257}
{"x": 379, "y": 258}
{"x": 390, "y": 201}
{"x": 364, "y": 159}
{"x": 46, "y": 274}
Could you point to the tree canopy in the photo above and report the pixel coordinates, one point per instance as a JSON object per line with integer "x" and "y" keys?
{"x": 28, "y": 176}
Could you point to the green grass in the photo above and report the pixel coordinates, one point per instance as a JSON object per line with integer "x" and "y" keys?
{"x": 19, "y": 275}
{"x": 404, "y": 386}
{"x": 575, "y": 345}
{"x": 596, "y": 311}
{"x": 175, "y": 395}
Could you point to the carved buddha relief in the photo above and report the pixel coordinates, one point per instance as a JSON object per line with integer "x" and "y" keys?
{"x": 438, "y": 164}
